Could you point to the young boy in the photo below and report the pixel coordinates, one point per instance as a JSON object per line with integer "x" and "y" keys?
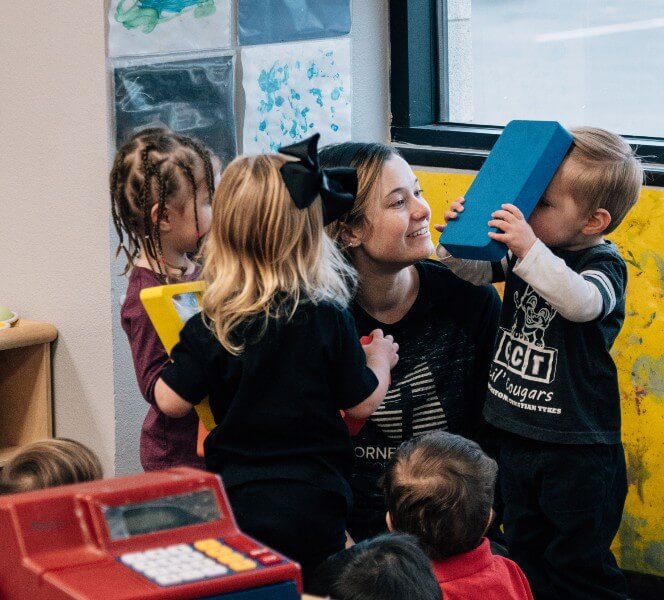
{"x": 439, "y": 487}
{"x": 553, "y": 386}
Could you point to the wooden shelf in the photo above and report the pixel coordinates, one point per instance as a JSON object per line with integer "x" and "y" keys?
{"x": 25, "y": 385}
{"x": 27, "y": 333}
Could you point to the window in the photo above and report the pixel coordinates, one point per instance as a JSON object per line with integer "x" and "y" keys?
{"x": 461, "y": 69}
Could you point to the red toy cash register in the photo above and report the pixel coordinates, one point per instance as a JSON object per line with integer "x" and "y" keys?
{"x": 167, "y": 534}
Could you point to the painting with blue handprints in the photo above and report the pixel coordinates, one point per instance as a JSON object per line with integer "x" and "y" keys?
{"x": 295, "y": 90}
{"x": 138, "y": 27}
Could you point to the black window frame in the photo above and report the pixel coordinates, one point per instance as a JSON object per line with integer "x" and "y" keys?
{"x": 417, "y": 31}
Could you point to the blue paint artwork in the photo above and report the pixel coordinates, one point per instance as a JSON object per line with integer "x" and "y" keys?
{"x": 273, "y": 21}
{"x": 304, "y": 89}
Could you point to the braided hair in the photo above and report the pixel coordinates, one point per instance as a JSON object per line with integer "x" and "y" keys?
{"x": 148, "y": 169}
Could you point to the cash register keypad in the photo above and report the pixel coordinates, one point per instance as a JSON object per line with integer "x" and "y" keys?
{"x": 204, "y": 559}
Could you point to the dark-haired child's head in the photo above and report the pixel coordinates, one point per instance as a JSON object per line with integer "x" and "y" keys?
{"x": 440, "y": 487}
{"x": 49, "y": 463}
{"x": 154, "y": 171}
{"x": 391, "y": 566}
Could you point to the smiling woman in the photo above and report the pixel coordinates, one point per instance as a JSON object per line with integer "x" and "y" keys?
{"x": 444, "y": 327}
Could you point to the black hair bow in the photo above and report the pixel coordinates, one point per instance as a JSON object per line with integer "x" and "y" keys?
{"x": 305, "y": 180}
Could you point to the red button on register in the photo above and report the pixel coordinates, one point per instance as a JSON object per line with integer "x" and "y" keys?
{"x": 268, "y": 559}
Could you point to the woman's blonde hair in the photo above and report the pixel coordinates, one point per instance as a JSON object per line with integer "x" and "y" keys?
{"x": 49, "y": 463}
{"x": 264, "y": 255}
{"x": 369, "y": 159}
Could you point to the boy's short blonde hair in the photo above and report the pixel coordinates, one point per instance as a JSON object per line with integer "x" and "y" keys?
{"x": 49, "y": 463}
{"x": 602, "y": 171}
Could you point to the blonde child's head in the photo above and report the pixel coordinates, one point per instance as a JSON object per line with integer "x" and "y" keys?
{"x": 157, "y": 170}
{"x": 601, "y": 171}
{"x": 264, "y": 255}
{"x": 440, "y": 487}
{"x": 49, "y": 463}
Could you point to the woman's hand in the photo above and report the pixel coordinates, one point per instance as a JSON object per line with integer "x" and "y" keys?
{"x": 516, "y": 234}
{"x": 456, "y": 207}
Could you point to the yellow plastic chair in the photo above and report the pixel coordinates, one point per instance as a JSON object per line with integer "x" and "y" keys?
{"x": 169, "y": 307}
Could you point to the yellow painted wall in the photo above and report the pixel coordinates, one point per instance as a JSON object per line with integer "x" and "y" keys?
{"x": 638, "y": 355}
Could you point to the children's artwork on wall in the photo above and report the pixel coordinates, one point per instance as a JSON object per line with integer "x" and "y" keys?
{"x": 293, "y": 91}
{"x": 270, "y": 21}
{"x": 193, "y": 97}
{"x": 138, "y": 27}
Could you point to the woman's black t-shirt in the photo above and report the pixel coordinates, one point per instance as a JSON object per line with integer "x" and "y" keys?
{"x": 440, "y": 382}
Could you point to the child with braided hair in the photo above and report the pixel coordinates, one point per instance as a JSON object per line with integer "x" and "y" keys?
{"x": 162, "y": 185}
{"x": 278, "y": 353}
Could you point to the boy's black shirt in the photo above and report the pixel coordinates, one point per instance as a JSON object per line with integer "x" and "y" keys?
{"x": 552, "y": 379}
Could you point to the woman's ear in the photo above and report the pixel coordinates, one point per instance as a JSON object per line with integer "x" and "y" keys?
{"x": 597, "y": 222}
{"x": 164, "y": 223}
{"x": 388, "y": 521}
{"x": 348, "y": 237}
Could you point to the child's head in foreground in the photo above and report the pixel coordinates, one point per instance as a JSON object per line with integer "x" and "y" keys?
{"x": 162, "y": 185}
{"x": 49, "y": 463}
{"x": 391, "y": 566}
{"x": 440, "y": 487}
{"x": 264, "y": 254}
{"x": 591, "y": 193}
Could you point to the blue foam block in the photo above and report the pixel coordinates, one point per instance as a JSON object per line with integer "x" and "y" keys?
{"x": 517, "y": 171}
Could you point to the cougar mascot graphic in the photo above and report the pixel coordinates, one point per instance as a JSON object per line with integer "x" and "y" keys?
{"x": 530, "y": 323}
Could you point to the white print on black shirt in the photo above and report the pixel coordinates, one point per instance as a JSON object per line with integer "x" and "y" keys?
{"x": 419, "y": 411}
{"x": 532, "y": 362}
{"x": 521, "y": 351}
{"x": 532, "y": 324}
{"x": 375, "y": 452}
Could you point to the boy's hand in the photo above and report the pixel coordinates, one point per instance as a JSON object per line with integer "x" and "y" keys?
{"x": 516, "y": 234}
{"x": 381, "y": 349}
{"x": 455, "y": 208}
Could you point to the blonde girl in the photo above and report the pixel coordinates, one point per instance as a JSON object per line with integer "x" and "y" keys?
{"x": 278, "y": 354}
{"x": 161, "y": 185}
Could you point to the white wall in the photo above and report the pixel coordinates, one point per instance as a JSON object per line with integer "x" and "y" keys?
{"x": 54, "y": 213}
{"x": 371, "y": 74}
{"x": 55, "y": 240}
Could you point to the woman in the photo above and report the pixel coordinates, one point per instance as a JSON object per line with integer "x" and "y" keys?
{"x": 445, "y": 327}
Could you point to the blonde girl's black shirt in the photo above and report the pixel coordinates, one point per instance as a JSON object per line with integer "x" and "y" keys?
{"x": 277, "y": 404}
{"x": 445, "y": 348}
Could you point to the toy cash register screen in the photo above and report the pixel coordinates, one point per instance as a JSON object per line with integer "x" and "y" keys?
{"x": 160, "y": 514}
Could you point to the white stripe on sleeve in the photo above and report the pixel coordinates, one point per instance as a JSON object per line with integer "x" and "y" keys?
{"x": 606, "y": 285}
{"x": 575, "y": 298}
